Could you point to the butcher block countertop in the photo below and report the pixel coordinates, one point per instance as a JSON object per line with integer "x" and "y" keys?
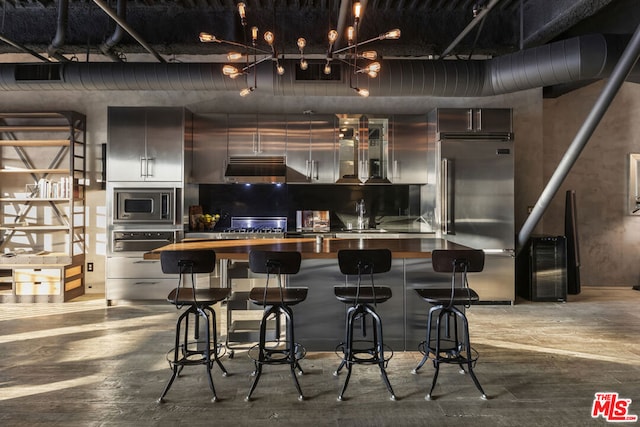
{"x": 239, "y": 249}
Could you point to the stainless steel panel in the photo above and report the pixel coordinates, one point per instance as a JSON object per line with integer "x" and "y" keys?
{"x": 481, "y": 213}
{"x": 127, "y": 268}
{"x": 254, "y": 135}
{"x": 409, "y": 149}
{"x": 472, "y": 120}
{"x": 139, "y": 289}
{"x": 146, "y": 144}
{"x": 493, "y": 120}
{"x": 209, "y": 148}
{"x": 454, "y": 120}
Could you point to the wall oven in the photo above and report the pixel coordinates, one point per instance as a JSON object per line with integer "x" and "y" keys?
{"x": 144, "y": 205}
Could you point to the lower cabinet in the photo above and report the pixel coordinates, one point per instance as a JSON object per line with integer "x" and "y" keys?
{"x": 134, "y": 278}
{"x": 137, "y": 279}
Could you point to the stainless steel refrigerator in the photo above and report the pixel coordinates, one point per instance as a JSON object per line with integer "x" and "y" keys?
{"x": 473, "y": 155}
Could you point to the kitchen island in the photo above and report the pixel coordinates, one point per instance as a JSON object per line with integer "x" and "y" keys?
{"x": 320, "y": 318}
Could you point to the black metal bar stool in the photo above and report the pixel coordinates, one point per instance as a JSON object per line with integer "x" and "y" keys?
{"x": 277, "y": 302}
{"x": 197, "y": 350}
{"x": 451, "y": 344}
{"x": 361, "y": 262}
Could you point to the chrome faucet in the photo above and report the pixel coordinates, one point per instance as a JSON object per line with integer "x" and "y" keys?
{"x": 360, "y": 210}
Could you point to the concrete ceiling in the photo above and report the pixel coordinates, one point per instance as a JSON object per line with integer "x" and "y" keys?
{"x": 428, "y": 27}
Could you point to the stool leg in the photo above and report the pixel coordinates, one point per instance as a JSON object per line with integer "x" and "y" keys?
{"x": 348, "y": 350}
{"x": 261, "y": 351}
{"x": 427, "y": 340}
{"x": 467, "y": 344}
{"x": 207, "y": 351}
{"x": 214, "y": 340}
{"x": 291, "y": 355}
{"x": 176, "y": 367}
{"x": 377, "y": 323}
{"x": 347, "y": 323}
{"x": 436, "y": 359}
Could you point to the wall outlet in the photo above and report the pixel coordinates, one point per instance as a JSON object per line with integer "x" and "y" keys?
{"x": 89, "y": 266}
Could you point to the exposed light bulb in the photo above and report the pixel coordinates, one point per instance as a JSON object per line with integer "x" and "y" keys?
{"x": 304, "y": 64}
{"x": 207, "y": 38}
{"x": 362, "y": 92}
{"x": 374, "y": 66}
{"x": 280, "y": 69}
{"x": 333, "y": 36}
{"x": 269, "y": 37}
{"x": 370, "y": 55}
{"x": 372, "y": 74}
{"x": 301, "y": 43}
{"x": 229, "y": 70}
{"x": 351, "y": 32}
{"x": 391, "y": 35}
{"x": 242, "y": 10}
{"x": 233, "y": 56}
{"x": 327, "y": 68}
{"x": 357, "y": 9}
{"x": 254, "y": 34}
{"x": 246, "y": 91}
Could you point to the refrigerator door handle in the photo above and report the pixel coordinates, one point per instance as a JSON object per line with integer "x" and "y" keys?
{"x": 511, "y": 253}
{"x": 446, "y": 194}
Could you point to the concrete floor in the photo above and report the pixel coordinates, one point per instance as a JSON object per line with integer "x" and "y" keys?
{"x": 83, "y": 364}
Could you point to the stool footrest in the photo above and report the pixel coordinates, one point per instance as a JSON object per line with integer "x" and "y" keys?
{"x": 278, "y": 353}
{"x": 449, "y": 353}
{"x": 372, "y": 356}
{"x": 194, "y": 357}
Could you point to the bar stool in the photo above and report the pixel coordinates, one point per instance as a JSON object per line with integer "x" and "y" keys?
{"x": 197, "y": 350}
{"x": 448, "y": 346}
{"x": 277, "y": 302}
{"x": 361, "y": 297}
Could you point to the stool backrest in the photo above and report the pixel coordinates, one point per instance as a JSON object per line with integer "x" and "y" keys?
{"x": 274, "y": 262}
{"x": 457, "y": 260}
{"x": 188, "y": 261}
{"x": 364, "y": 261}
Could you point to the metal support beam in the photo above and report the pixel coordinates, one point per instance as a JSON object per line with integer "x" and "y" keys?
{"x": 620, "y": 72}
{"x": 475, "y": 21}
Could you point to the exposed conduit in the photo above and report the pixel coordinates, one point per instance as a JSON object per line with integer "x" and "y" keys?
{"x": 581, "y": 58}
{"x": 105, "y": 7}
{"x": 107, "y": 47}
{"x": 61, "y": 31}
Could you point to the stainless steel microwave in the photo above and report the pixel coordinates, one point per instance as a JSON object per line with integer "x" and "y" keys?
{"x": 151, "y": 205}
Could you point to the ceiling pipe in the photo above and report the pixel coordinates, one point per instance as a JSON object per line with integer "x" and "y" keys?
{"x": 23, "y": 48}
{"x": 102, "y": 5}
{"x": 107, "y": 47}
{"x": 612, "y": 86}
{"x": 61, "y": 31}
{"x": 578, "y": 59}
{"x": 475, "y": 21}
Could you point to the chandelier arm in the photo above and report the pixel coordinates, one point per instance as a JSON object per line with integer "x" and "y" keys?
{"x": 357, "y": 45}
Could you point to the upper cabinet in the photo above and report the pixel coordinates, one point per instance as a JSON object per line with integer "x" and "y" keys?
{"x": 256, "y": 135}
{"x": 209, "y": 148}
{"x": 363, "y": 149}
{"x": 477, "y": 120}
{"x": 409, "y": 149}
{"x": 311, "y": 148}
{"x": 148, "y": 144}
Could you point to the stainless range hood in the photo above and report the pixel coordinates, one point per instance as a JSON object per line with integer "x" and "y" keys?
{"x": 256, "y": 169}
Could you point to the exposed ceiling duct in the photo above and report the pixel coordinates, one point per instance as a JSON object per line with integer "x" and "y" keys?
{"x": 118, "y": 33}
{"x": 576, "y": 59}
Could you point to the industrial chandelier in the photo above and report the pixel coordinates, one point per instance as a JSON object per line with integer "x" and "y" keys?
{"x": 348, "y": 54}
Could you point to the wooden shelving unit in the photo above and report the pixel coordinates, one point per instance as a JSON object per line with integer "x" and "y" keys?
{"x": 42, "y": 206}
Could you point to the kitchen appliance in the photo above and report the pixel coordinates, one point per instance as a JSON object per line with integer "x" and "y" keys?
{"x": 256, "y": 169}
{"x": 474, "y": 203}
{"x": 246, "y": 227}
{"x": 144, "y": 205}
{"x": 315, "y": 221}
{"x": 542, "y": 269}
{"x": 140, "y": 241}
